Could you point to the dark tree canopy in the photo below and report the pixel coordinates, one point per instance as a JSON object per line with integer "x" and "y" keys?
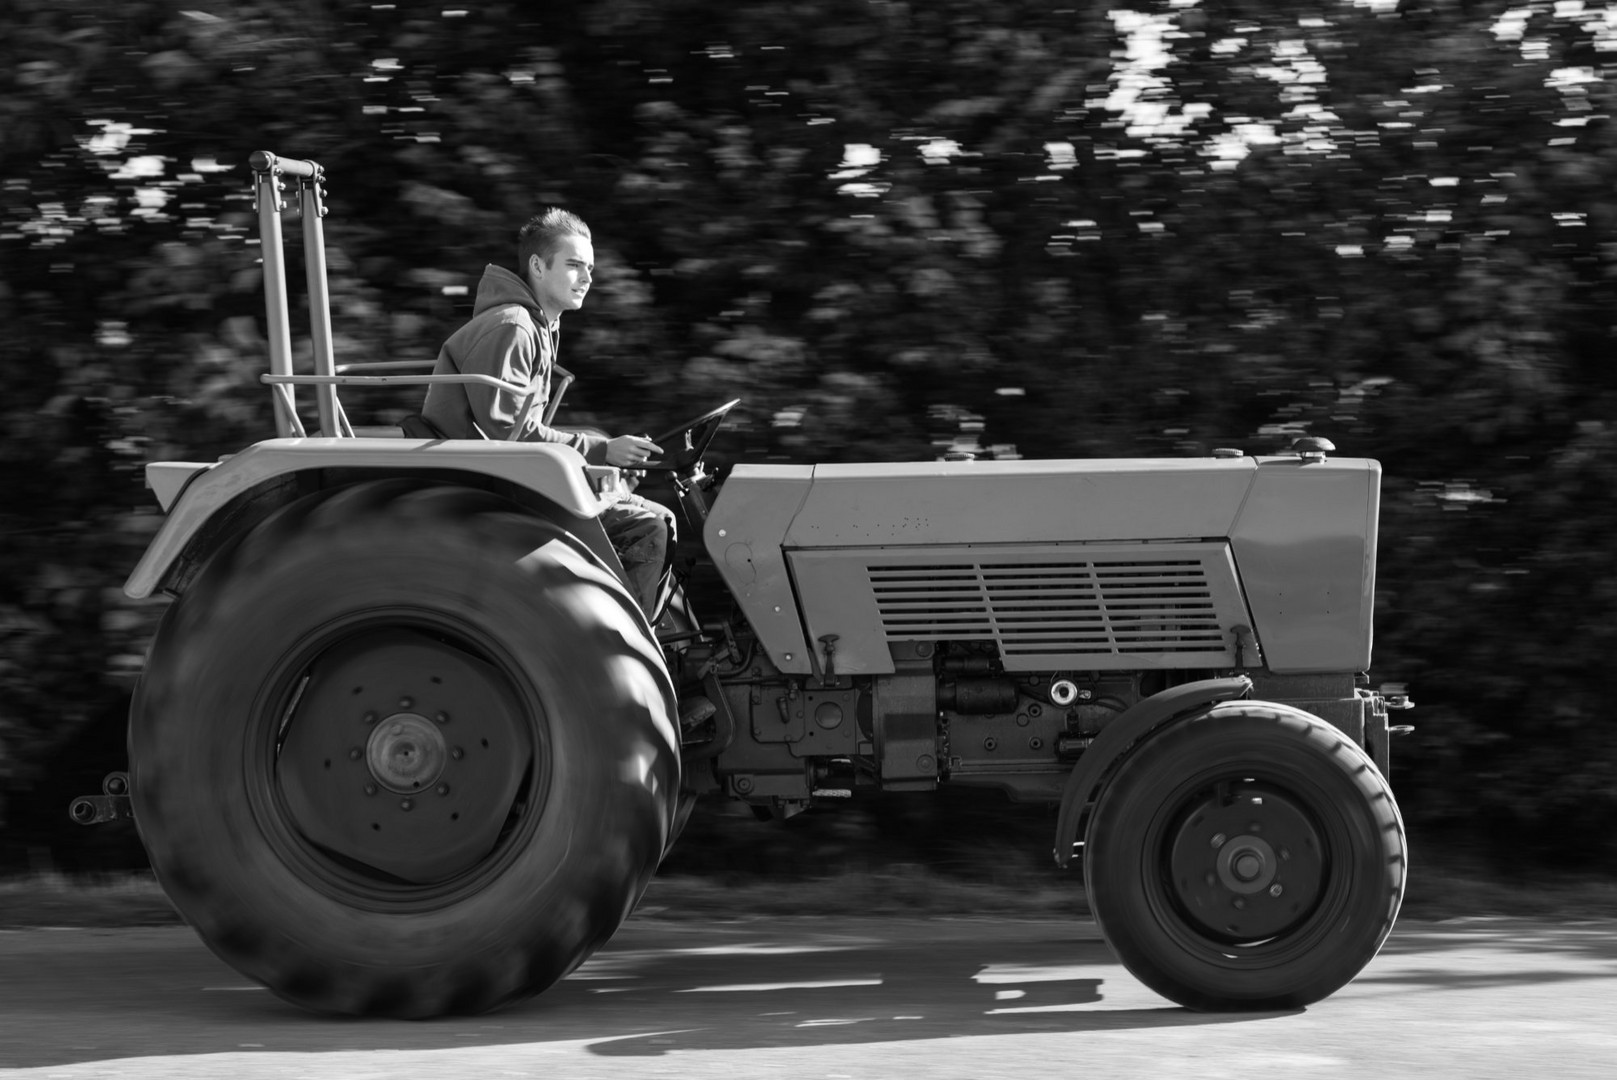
{"x": 888, "y": 227}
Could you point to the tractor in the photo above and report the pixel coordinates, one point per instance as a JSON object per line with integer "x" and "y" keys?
{"x": 405, "y": 745}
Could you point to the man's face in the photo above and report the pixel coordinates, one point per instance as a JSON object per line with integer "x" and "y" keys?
{"x": 561, "y": 285}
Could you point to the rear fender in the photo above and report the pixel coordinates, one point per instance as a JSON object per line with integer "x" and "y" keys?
{"x": 1120, "y": 735}
{"x": 208, "y": 504}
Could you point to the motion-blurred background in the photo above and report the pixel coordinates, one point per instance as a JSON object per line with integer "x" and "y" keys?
{"x": 892, "y": 229}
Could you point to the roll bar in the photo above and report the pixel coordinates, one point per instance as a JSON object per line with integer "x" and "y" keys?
{"x": 262, "y": 161}
{"x": 271, "y": 174}
{"x": 268, "y": 190}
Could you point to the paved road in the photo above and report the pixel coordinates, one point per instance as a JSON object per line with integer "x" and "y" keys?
{"x": 834, "y": 999}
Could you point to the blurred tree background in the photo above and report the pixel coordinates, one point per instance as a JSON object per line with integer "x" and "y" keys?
{"x": 1154, "y": 228}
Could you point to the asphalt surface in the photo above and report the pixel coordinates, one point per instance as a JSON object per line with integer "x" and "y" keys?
{"x": 839, "y": 999}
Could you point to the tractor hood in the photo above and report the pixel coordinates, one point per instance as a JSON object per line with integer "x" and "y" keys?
{"x": 1282, "y": 548}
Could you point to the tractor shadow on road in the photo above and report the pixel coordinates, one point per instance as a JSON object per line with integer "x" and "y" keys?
{"x": 657, "y": 988}
{"x": 839, "y": 989}
{"x": 666, "y": 986}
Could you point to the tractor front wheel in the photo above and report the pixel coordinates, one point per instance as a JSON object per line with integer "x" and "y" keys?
{"x": 1248, "y": 858}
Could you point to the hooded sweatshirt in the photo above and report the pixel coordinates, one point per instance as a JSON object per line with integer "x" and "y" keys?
{"x": 509, "y": 338}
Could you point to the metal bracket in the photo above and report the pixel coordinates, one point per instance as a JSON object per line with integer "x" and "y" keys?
{"x": 829, "y": 643}
{"x": 110, "y": 805}
{"x": 1248, "y": 653}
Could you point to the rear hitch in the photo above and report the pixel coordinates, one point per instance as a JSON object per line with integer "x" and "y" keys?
{"x": 1396, "y": 696}
{"x": 110, "y": 805}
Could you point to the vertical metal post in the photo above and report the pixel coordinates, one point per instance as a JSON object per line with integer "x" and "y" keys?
{"x": 268, "y": 194}
{"x": 314, "y": 256}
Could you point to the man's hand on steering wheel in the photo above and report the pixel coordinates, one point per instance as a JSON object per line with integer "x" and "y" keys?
{"x": 628, "y": 451}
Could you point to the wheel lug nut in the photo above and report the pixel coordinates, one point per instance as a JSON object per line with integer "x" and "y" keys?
{"x": 370, "y": 789}
{"x": 1211, "y": 878}
{"x": 1275, "y": 889}
{"x": 1285, "y": 854}
{"x": 355, "y": 754}
{"x": 443, "y": 789}
{"x": 1240, "y": 903}
{"x": 457, "y": 753}
{"x": 442, "y": 718}
{"x": 1218, "y": 839}
{"x": 370, "y": 718}
{"x": 405, "y": 804}
{"x": 405, "y": 703}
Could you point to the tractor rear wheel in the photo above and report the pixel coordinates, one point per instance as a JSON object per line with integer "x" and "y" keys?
{"x": 404, "y": 751}
{"x": 1248, "y": 858}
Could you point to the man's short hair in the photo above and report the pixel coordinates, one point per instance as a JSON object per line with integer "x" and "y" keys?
{"x": 542, "y": 234}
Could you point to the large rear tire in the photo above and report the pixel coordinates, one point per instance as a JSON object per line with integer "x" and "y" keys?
{"x": 1248, "y": 858}
{"x": 404, "y": 751}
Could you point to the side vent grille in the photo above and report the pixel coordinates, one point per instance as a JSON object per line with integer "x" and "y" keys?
{"x": 1068, "y": 611}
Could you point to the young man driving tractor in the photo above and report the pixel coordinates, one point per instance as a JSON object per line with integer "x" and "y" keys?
{"x": 513, "y": 335}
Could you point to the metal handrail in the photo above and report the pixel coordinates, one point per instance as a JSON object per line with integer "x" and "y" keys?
{"x": 286, "y": 413}
{"x": 528, "y": 394}
{"x": 385, "y": 365}
{"x": 564, "y": 379}
{"x": 392, "y": 380}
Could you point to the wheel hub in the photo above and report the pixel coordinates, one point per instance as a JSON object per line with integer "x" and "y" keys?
{"x": 1247, "y": 863}
{"x": 406, "y": 752}
{"x": 403, "y": 755}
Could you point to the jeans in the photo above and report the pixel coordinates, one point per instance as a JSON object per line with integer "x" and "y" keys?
{"x": 641, "y": 532}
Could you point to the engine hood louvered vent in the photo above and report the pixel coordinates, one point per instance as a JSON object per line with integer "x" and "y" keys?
{"x": 1139, "y": 608}
{"x": 1074, "y": 608}
{"x": 1045, "y": 607}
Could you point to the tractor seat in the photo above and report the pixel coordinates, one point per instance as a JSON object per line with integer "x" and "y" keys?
{"x": 416, "y": 426}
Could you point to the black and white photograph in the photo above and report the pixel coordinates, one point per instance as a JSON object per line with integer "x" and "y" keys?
{"x": 808, "y": 539}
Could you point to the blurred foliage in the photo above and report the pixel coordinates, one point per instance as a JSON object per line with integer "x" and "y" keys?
{"x": 890, "y": 227}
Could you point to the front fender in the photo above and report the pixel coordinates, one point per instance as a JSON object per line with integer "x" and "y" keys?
{"x": 1115, "y": 739}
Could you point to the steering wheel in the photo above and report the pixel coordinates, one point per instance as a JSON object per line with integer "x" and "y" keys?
{"x": 684, "y": 445}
